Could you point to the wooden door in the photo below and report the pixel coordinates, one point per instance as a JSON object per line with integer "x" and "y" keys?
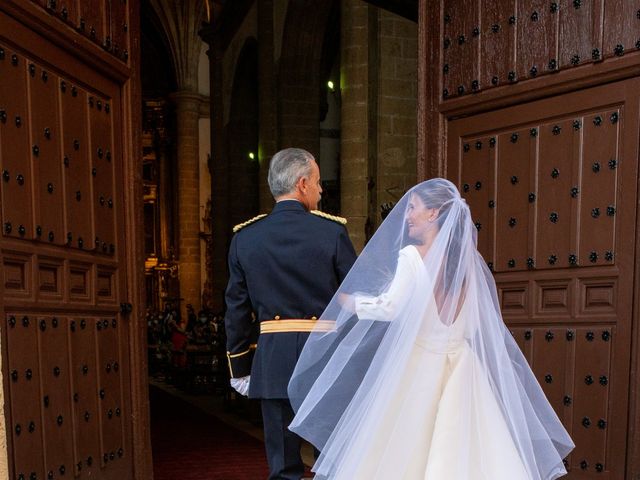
{"x": 532, "y": 108}
{"x": 69, "y": 280}
{"x": 552, "y": 190}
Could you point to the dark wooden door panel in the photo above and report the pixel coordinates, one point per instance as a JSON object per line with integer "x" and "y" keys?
{"x": 68, "y": 397}
{"x": 564, "y": 202}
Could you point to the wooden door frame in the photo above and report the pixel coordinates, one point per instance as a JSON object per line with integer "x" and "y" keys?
{"x": 36, "y": 18}
{"x": 433, "y": 114}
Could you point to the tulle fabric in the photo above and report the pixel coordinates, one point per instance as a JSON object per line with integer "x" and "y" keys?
{"x": 419, "y": 377}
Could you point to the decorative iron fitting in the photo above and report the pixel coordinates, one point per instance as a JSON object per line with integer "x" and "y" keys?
{"x": 490, "y": 266}
{"x": 492, "y": 142}
{"x": 611, "y": 210}
{"x": 614, "y": 117}
{"x": 556, "y": 129}
{"x": 512, "y": 222}
{"x": 465, "y": 187}
{"x": 613, "y": 163}
{"x": 570, "y": 335}
{"x": 460, "y": 89}
{"x": 548, "y": 378}
{"x": 532, "y": 197}
{"x": 494, "y": 80}
{"x": 575, "y": 59}
{"x": 599, "y": 467}
{"x": 553, "y": 64}
{"x": 577, "y": 125}
{"x": 552, "y": 259}
{"x": 514, "y": 137}
{"x": 577, "y": 4}
{"x": 549, "y": 336}
{"x": 14, "y": 60}
{"x": 619, "y": 50}
{"x": 589, "y": 336}
{"x": 602, "y": 424}
{"x": 555, "y": 173}
{"x": 595, "y": 212}
{"x": 512, "y": 76}
{"x": 573, "y": 259}
{"x": 533, "y": 71}
{"x": 584, "y": 464}
{"x": 586, "y": 422}
{"x": 606, "y": 335}
{"x": 533, "y": 132}
{"x": 535, "y": 17}
{"x": 447, "y": 42}
{"x": 514, "y": 180}
{"x": 466, "y": 147}
{"x": 495, "y": 28}
{"x": 512, "y": 20}
{"x": 478, "y": 186}
{"x": 588, "y": 380}
{"x": 527, "y": 335}
{"x": 18, "y": 121}
{"x": 553, "y": 217}
{"x": 597, "y": 121}
{"x": 595, "y": 167}
{"x": 461, "y": 39}
{"x": 492, "y": 204}
{"x": 574, "y": 192}
{"x": 475, "y": 85}
{"x": 7, "y": 227}
{"x": 530, "y": 263}
{"x": 511, "y": 263}
{"x": 3, "y": 116}
{"x": 566, "y": 400}
{"x": 604, "y": 381}
{"x": 593, "y": 256}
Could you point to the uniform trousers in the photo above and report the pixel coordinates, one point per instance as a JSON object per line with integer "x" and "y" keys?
{"x": 281, "y": 444}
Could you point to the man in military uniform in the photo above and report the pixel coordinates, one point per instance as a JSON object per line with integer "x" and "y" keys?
{"x": 284, "y": 268}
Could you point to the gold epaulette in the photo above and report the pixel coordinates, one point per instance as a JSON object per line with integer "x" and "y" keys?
{"x": 335, "y": 218}
{"x": 240, "y": 226}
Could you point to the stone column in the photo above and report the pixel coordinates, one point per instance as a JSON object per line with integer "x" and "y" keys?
{"x": 355, "y": 144}
{"x": 187, "y": 113}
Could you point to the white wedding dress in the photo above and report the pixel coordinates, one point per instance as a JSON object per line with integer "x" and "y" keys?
{"x": 428, "y": 412}
{"x": 419, "y": 378}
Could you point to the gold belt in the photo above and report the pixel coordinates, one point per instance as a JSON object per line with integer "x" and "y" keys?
{"x": 296, "y": 325}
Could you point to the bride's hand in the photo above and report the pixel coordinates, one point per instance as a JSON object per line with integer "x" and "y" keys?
{"x": 347, "y": 301}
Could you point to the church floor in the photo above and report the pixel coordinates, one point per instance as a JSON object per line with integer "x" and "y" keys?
{"x": 199, "y": 437}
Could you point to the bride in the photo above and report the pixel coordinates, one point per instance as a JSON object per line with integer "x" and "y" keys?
{"x": 413, "y": 374}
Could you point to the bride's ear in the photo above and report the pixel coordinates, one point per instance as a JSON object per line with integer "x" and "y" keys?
{"x": 433, "y": 214}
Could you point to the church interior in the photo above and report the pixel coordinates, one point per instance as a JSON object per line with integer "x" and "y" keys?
{"x": 226, "y": 84}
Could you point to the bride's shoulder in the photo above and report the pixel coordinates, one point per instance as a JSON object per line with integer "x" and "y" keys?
{"x": 409, "y": 250}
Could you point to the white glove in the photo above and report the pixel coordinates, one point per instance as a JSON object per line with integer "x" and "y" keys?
{"x": 241, "y": 385}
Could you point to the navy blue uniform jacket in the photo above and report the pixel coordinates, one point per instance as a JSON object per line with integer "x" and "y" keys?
{"x": 288, "y": 264}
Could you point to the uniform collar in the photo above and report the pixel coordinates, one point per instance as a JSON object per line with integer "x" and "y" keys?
{"x": 288, "y": 205}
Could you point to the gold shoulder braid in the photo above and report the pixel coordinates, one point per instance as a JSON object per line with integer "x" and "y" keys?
{"x": 240, "y": 226}
{"x": 335, "y": 218}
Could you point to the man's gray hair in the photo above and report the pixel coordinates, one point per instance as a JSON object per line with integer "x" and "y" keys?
{"x": 286, "y": 168}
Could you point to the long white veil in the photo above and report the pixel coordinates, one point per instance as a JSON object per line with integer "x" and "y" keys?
{"x": 348, "y": 373}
